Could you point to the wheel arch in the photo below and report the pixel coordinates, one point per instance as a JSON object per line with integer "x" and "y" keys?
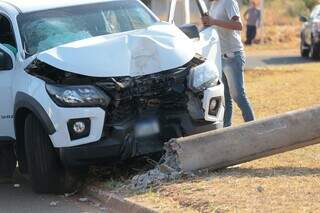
{"x": 24, "y": 105}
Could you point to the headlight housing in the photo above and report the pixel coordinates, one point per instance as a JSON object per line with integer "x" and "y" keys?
{"x": 203, "y": 76}
{"x": 77, "y": 96}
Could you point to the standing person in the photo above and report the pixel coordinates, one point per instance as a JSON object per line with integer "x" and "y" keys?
{"x": 253, "y": 18}
{"x": 225, "y": 16}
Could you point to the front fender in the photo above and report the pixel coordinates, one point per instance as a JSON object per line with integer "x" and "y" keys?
{"x": 25, "y": 101}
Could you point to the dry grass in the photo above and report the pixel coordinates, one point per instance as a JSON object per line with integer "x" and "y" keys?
{"x": 277, "y": 89}
{"x": 278, "y": 37}
{"x": 281, "y": 25}
{"x": 288, "y": 182}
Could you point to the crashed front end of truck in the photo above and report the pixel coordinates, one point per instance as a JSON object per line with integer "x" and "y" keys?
{"x": 141, "y": 111}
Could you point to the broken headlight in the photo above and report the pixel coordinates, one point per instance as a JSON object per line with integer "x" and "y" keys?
{"x": 203, "y": 76}
{"x": 77, "y": 96}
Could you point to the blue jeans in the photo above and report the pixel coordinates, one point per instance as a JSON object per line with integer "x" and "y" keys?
{"x": 233, "y": 79}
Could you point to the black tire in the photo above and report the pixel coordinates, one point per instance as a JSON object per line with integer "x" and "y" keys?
{"x": 46, "y": 171}
{"x": 304, "y": 50}
{"x": 8, "y": 160}
{"x": 315, "y": 51}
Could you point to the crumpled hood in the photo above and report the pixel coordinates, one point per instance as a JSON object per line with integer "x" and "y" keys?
{"x": 160, "y": 47}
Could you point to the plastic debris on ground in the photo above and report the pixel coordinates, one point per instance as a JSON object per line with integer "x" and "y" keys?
{"x": 83, "y": 199}
{"x": 16, "y": 185}
{"x": 54, "y": 203}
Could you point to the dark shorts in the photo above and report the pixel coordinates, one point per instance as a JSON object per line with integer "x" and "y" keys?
{"x": 251, "y": 34}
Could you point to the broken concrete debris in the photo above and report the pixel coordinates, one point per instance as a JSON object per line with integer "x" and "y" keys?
{"x": 16, "y": 185}
{"x": 83, "y": 199}
{"x": 167, "y": 170}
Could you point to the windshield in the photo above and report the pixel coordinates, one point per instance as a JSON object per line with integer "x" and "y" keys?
{"x": 43, "y": 30}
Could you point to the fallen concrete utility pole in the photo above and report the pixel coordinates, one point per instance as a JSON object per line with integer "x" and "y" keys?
{"x": 232, "y": 146}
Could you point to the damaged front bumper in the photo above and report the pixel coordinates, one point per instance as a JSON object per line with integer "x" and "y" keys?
{"x": 145, "y": 133}
{"x": 114, "y": 149}
{"x": 140, "y": 114}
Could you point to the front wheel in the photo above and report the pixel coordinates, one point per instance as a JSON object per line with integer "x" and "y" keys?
{"x": 315, "y": 51}
{"x": 304, "y": 50}
{"x": 46, "y": 171}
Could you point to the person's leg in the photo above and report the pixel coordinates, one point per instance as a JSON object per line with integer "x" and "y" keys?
{"x": 254, "y": 33}
{"x": 227, "y": 119}
{"x": 234, "y": 72}
{"x": 248, "y": 35}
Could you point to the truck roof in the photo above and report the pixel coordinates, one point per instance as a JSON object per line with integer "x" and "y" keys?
{"x": 25, "y": 6}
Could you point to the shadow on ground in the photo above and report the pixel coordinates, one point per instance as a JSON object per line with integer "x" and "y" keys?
{"x": 285, "y": 60}
{"x": 275, "y": 60}
{"x": 267, "y": 172}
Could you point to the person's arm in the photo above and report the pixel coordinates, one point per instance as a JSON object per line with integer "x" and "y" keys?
{"x": 259, "y": 19}
{"x": 233, "y": 12}
{"x": 233, "y": 24}
{"x": 245, "y": 15}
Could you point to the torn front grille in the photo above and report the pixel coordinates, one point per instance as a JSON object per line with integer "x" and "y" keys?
{"x": 157, "y": 93}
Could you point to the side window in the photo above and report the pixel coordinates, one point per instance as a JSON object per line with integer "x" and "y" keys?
{"x": 161, "y": 8}
{"x": 6, "y": 34}
{"x": 189, "y": 11}
{"x": 195, "y": 15}
{"x": 185, "y": 11}
{"x": 5, "y": 61}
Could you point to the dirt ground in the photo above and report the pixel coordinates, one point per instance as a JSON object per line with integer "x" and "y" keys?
{"x": 288, "y": 182}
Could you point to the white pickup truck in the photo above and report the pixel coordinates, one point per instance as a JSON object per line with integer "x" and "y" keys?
{"x": 85, "y": 82}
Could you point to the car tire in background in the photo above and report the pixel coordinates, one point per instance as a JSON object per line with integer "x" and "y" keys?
{"x": 304, "y": 50}
{"x": 45, "y": 169}
{"x": 315, "y": 50}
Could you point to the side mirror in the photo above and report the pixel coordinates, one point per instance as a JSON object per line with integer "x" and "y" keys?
{"x": 6, "y": 62}
{"x": 190, "y": 30}
{"x": 303, "y": 19}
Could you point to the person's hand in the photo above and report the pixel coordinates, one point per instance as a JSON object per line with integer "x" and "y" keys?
{"x": 207, "y": 21}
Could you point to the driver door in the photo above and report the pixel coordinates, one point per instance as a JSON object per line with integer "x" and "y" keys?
{"x": 7, "y": 61}
{"x": 190, "y": 12}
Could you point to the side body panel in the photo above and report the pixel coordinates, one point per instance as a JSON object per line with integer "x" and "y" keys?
{"x": 7, "y": 78}
{"x": 6, "y": 101}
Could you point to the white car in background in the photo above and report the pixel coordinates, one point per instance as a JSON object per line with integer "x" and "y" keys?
{"x": 85, "y": 82}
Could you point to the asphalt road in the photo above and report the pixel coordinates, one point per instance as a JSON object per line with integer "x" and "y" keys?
{"x": 275, "y": 58}
{"x": 22, "y": 199}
